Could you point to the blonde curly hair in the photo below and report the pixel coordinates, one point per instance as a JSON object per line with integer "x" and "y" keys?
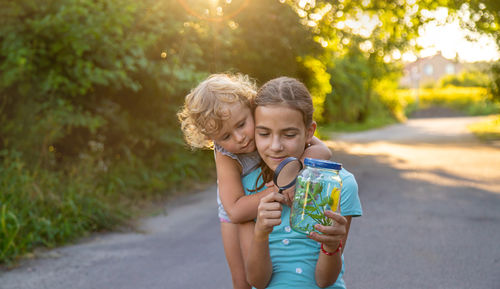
{"x": 206, "y": 107}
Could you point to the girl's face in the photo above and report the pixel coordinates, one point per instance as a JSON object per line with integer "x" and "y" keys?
{"x": 238, "y": 132}
{"x": 280, "y": 132}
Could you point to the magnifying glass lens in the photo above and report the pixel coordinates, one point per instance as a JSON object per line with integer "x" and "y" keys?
{"x": 286, "y": 173}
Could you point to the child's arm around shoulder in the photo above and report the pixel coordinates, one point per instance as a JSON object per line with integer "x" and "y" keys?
{"x": 317, "y": 150}
{"x": 239, "y": 207}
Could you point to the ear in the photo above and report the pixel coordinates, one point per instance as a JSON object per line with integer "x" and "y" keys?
{"x": 310, "y": 132}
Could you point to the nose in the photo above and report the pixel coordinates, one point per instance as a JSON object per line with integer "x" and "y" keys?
{"x": 276, "y": 144}
{"x": 238, "y": 136}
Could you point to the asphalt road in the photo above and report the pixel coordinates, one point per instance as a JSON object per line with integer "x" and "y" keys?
{"x": 431, "y": 199}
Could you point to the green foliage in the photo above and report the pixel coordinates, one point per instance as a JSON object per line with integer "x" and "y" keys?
{"x": 311, "y": 200}
{"x": 357, "y": 96}
{"x": 470, "y": 100}
{"x": 87, "y": 98}
{"x": 482, "y": 16}
{"x": 317, "y": 79}
{"x": 466, "y": 79}
{"x": 487, "y": 130}
{"x": 393, "y": 106}
{"x": 268, "y": 41}
{"x": 64, "y": 48}
{"x": 350, "y": 89}
{"x": 41, "y": 208}
{"x": 495, "y": 82}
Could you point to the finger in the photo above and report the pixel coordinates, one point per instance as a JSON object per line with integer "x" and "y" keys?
{"x": 273, "y": 197}
{"x": 336, "y": 217}
{"x": 270, "y": 215}
{"x": 290, "y": 192}
{"x": 325, "y": 239}
{"x": 336, "y": 229}
{"x": 287, "y": 197}
{"x": 274, "y": 206}
{"x": 269, "y": 223}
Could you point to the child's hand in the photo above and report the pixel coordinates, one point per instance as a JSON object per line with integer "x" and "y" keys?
{"x": 268, "y": 214}
{"x": 289, "y": 194}
{"x": 333, "y": 234}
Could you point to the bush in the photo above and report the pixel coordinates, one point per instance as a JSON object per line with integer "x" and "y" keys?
{"x": 394, "y": 105}
{"x": 86, "y": 106}
{"x": 487, "y": 130}
{"x": 350, "y": 81}
{"x": 466, "y": 79}
{"x": 471, "y": 100}
{"x": 495, "y": 82}
{"x": 88, "y": 96}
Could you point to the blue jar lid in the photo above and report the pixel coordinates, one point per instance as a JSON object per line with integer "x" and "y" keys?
{"x": 322, "y": 164}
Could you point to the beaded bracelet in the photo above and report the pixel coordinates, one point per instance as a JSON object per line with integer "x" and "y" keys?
{"x": 331, "y": 253}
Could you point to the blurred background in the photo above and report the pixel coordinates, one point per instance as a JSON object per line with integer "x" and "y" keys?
{"x": 89, "y": 90}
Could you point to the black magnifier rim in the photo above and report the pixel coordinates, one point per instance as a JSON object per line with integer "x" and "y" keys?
{"x": 280, "y": 167}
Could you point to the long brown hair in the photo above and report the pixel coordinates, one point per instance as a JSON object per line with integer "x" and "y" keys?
{"x": 283, "y": 91}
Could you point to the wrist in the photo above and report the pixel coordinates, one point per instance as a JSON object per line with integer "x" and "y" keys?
{"x": 325, "y": 249}
{"x": 260, "y": 236}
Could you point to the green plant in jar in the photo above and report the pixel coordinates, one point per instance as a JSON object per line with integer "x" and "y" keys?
{"x": 317, "y": 189}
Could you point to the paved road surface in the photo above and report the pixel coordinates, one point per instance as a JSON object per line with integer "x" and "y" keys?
{"x": 431, "y": 200}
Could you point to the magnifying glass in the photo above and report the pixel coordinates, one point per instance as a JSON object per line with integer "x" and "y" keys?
{"x": 286, "y": 173}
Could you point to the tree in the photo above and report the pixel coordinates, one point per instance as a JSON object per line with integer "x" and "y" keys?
{"x": 483, "y": 17}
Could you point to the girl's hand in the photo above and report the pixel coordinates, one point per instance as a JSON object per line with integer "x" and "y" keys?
{"x": 332, "y": 235}
{"x": 289, "y": 194}
{"x": 268, "y": 214}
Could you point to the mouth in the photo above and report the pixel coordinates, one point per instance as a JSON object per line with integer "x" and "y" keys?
{"x": 247, "y": 145}
{"x": 276, "y": 159}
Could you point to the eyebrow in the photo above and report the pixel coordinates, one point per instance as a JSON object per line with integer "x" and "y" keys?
{"x": 241, "y": 119}
{"x": 285, "y": 129}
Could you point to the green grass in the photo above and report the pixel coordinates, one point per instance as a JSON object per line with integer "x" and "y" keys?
{"x": 325, "y": 130}
{"x": 48, "y": 208}
{"x": 39, "y": 208}
{"x": 469, "y": 100}
{"x": 488, "y": 130}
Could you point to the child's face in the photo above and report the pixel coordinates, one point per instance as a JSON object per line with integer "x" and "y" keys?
{"x": 238, "y": 133}
{"x": 280, "y": 132}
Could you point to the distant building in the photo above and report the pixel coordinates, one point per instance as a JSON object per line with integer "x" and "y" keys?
{"x": 428, "y": 69}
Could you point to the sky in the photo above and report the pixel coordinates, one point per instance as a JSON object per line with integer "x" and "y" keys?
{"x": 451, "y": 40}
{"x": 438, "y": 35}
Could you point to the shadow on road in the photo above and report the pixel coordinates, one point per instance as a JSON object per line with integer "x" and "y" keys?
{"x": 428, "y": 218}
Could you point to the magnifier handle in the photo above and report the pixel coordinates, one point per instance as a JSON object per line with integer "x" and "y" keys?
{"x": 280, "y": 191}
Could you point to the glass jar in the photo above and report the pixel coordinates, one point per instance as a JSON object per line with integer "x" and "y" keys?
{"x": 317, "y": 189}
